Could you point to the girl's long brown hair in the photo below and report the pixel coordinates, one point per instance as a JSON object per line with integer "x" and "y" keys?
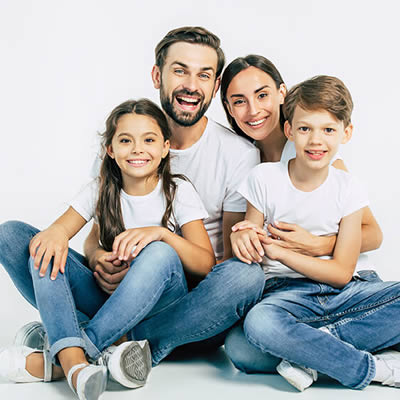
{"x": 108, "y": 209}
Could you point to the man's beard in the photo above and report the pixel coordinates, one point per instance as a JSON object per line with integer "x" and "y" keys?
{"x": 182, "y": 118}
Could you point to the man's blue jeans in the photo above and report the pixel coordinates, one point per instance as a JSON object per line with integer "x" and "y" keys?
{"x": 362, "y": 318}
{"x": 150, "y": 303}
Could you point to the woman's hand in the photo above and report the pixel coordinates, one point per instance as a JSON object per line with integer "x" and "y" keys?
{"x": 127, "y": 245}
{"x": 246, "y": 244}
{"x": 52, "y": 242}
{"x": 295, "y": 238}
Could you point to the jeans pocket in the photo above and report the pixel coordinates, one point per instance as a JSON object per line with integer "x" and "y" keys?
{"x": 367, "y": 275}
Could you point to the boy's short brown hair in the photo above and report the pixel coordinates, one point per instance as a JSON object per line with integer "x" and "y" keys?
{"x": 190, "y": 34}
{"x": 320, "y": 93}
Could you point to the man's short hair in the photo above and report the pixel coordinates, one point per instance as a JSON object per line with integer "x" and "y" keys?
{"x": 190, "y": 34}
{"x": 321, "y": 92}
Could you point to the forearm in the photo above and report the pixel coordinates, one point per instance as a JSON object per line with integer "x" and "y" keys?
{"x": 371, "y": 237}
{"x": 195, "y": 259}
{"x": 332, "y": 272}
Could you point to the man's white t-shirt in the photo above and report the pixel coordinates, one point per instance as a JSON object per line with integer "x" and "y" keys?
{"x": 270, "y": 190}
{"x": 216, "y": 164}
{"x": 147, "y": 210}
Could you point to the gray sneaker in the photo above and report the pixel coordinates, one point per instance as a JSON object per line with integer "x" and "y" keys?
{"x": 392, "y": 361}
{"x": 298, "y": 376}
{"x": 31, "y": 335}
{"x": 129, "y": 364}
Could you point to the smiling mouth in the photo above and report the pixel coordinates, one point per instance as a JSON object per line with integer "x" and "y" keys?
{"x": 138, "y": 163}
{"x": 256, "y": 123}
{"x": 316, "y": 154}
{"x": 187, "y": 101}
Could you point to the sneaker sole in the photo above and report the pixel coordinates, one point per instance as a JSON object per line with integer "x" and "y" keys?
{"x": 294, "y": 375}
{"x": 27, "y": 332}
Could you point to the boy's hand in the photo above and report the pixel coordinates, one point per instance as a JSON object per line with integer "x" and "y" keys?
{"x": 108, "y": 270}
{"x": 52, "y": 242}
{"x": 127, "y": 245}
{"x": 243, "y": 225}
{"x": 273, "y": 251}
{"x": 246, "y": 245}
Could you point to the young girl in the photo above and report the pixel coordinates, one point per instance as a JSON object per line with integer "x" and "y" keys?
{"x": 253, "y": 93}
{"x": 148, "y": 219}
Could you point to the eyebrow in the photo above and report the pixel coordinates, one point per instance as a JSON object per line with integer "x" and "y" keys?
{"x": 256, "y": 91}
{"x": 130, "y": 135}
{"x": 183, "y": 65}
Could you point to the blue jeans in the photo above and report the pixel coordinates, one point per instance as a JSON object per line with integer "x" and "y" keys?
{"x": 169, "y": 320}
{"x": 361, "y": 318}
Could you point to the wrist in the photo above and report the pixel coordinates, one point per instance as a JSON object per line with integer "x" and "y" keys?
{"x": 324, "y": 246}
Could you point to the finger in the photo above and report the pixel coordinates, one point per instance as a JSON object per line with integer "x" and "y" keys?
{"x": 285, "y": 226}
{"x": 45, "y": 262}
{"x": 239, "y": 225}
{"x": 245, "y": 254}
{"x": 104, "y": 286}
{"x": 33, "y": 245}
{"x": 38, "y": 257}
{"x": 255, "y": 241}
{"x": 63, "y": 260}
{"x": 129, "y": 250}
{"x": 56, "y": 264}
{"x": 277, "y": 233}
{"x": 239, "y": 255}
{"x": 139, "y": 247}
{"x": 117, "y": 242}
{"x": 54, "y": 272}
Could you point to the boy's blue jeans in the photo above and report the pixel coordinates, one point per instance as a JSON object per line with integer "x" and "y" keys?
{"x": 362, "y": 318}
{"x": 150, "y": 303}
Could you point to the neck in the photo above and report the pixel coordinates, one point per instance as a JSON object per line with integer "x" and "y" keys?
{"x": 271, "y": 147}
{"x": 183, "y": 137}
{"x": 306, "y": 179}
{"x": 139, "y": 186}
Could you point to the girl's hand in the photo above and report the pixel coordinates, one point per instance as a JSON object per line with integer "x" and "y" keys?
{"x": 294, "y": 237}
{"x": 52, "y": 242}
{"x": 127, "y": 245}
{"x": 246, "y": 245}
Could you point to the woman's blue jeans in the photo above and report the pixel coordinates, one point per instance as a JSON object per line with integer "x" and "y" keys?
{"x": 150, "y": 303}
{"x": 362, "y": 318}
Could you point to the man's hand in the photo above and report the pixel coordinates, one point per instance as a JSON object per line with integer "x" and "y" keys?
{"x": 108, "y": 270}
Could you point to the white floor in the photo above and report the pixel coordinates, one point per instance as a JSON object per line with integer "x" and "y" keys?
{"x": 206, "y": 377}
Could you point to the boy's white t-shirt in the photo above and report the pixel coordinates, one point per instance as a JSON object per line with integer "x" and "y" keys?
{"x": 269, "y": 189}
{"x": 147, "y": 210}
{"x": 216, "y": 164}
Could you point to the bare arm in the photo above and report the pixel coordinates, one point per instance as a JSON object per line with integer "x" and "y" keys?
{"x": 194, "y": 248}
{"x": 336, "y": 272}
{"x": 229, "y": 219}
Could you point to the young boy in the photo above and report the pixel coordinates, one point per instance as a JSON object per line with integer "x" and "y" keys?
{"x": 314, "y": 313}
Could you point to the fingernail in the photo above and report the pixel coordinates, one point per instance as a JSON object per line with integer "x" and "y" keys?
{"x": 52, "y": 278}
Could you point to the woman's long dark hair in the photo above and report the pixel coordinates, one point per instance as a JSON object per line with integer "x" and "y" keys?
{"x": 239, "y": 64}
{"x": 108, "y": 209}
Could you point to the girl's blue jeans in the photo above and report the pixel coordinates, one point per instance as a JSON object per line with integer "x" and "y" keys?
{"x": 151, "y": 302}
{"x": 362, "y": 318}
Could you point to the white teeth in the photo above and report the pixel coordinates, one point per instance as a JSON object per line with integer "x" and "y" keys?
{"x": 315, "y": 152}
{"x": 188, "y": 99}
{"x": 137, "y": 162}
{"x": 255, "y": 123}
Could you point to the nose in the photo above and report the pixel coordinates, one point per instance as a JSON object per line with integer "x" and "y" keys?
{"x": 190, "y": 83}
{"x": 137, "y": 148}
{"x": 315, "y": 136}
{"x": 253, "y": 108}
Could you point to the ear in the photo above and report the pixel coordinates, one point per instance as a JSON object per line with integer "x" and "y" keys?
{"x": 110, "y": 151}
{"x": 282, "y": 93}
{"x": 348, "y": 132}
{"x": 165, "y": 151}
{"x": 216, "y": 86}
{"x": 288, "y": 131}
{"x": 156, "y": 76}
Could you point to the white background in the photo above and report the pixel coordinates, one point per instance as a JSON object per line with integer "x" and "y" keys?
{"x": 65, "y": 64}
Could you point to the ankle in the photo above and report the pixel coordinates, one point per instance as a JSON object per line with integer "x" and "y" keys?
{"x": 35, "y": 364}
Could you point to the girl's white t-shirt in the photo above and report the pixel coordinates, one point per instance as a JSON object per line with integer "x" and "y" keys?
{"x": 147, "y": 210}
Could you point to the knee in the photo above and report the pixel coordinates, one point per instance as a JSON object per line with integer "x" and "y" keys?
{"x": 246, "y": 357}
{"x": 11, "y": 231}
{"x": 245, "y": 281}
{"x": 160, "y": 252}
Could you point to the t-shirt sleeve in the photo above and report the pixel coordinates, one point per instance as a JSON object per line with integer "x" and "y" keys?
{"x": 253, "y": 189}
{"x": 84, "y": 203}
{"x": 234, "y": 201}
{"x": 356, "y": 197}
{"x": 187, "y": 204}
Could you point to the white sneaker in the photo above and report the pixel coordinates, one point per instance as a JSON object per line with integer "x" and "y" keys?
{"x": 91, "y": 381}
{"x": 129, "y": 363}
{"x": 298, "y": 376}
{"x": 392, "y": 360}
{"x": 13, "y": 364}
{"x": 31, "y": 335}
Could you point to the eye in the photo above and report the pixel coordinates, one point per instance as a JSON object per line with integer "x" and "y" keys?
{"x": 149, "y": 140}
{"x": 179, "y": 71}
{"x": 262, "y": 95}
{"x": 125, "y": 140}
{"x": 304, "y": 129}
{"x": 204, "y": 76}
{"x": 329, "y": 131}
{"x": 238, "y": 102}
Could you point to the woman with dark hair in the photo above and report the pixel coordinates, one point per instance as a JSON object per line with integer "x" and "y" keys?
{"x": 252, "y": 94}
